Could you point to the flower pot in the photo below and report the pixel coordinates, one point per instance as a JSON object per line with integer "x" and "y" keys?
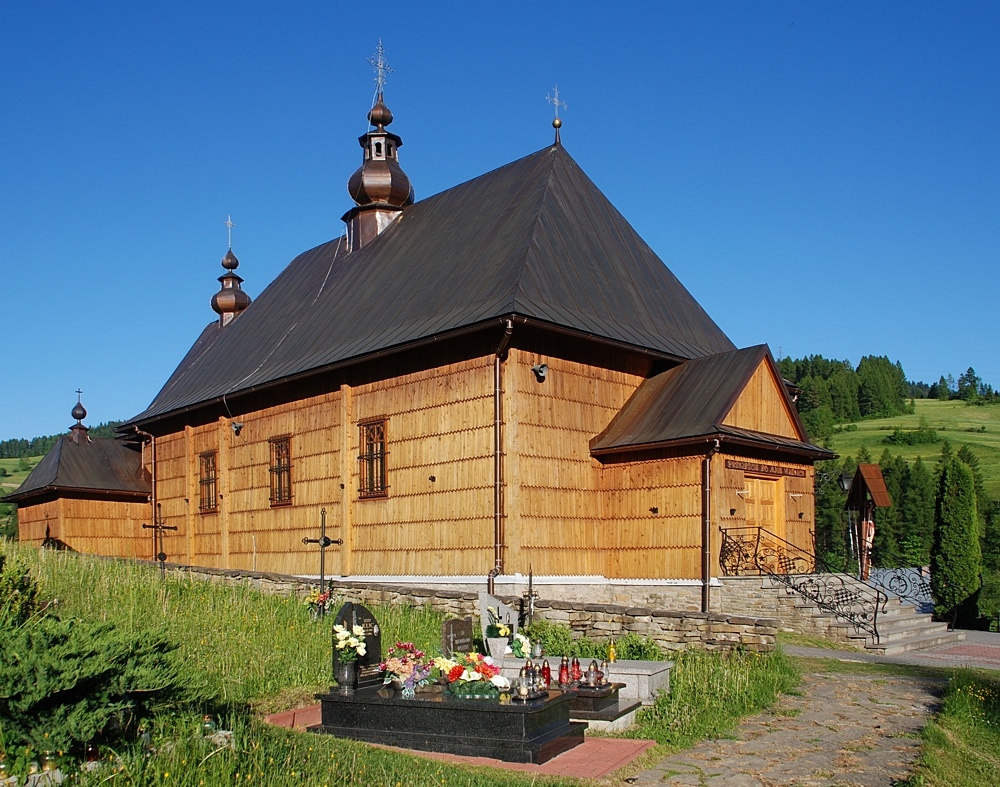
{"x": 346, "y": 675}
{"x": 497, "y": 647}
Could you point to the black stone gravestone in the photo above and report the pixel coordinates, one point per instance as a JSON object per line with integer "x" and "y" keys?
{"x": 369, "y": 671}
{"x": 456, "y": 637}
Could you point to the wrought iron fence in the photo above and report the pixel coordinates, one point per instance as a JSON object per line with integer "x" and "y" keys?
{"x": 754, "y": 550}
{"x": 912, "y": 584}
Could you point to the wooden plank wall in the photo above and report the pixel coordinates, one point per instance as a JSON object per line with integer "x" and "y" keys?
{"x": 553, "y": 485}
{"x": 762, "y": 406}
{"x": 92, "y": 526}
{"x": 644, "y": 543}
{"x": 440, "y": 424}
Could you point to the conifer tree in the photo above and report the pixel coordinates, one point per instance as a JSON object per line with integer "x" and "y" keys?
{"x": 917, "y": 515}
{"x": 956, "y": 560}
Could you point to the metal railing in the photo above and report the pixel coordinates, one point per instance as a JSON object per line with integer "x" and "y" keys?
{"x": 753, "y": 550}
{"x": 912, "y": 584}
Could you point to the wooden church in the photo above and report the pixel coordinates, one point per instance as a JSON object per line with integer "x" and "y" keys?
{"x": 500, "y": 378}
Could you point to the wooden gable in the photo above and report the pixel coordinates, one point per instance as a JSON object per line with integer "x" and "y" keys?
{"x": 762, "y": 406}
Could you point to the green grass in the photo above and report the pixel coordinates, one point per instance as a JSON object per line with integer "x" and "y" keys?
{"x": 953, "y": 421}
{"x": 711, "y": 692}
{"x": 254, "y": 653}
{"x": 14, "y": 477}
{"x": 961, "y": 747}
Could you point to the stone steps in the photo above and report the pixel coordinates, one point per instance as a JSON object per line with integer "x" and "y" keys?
{"x": 901, "y": 628}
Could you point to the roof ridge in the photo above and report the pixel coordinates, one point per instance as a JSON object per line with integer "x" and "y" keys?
{"x": 517, "y": 290}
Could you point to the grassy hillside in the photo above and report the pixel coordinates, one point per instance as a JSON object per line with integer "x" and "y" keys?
{"x": 977, "y": 427}
{"x": 14, "y": 477}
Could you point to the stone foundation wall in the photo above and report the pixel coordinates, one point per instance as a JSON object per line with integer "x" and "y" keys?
{"x": 763, "y": 597}
{"x": 672, "y": 629}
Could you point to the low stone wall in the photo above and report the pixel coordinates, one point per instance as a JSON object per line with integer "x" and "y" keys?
{"x": 673, "y": 630}
{"x": 762, "y": 596}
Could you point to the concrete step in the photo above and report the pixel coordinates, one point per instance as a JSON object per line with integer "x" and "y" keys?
{"x": 931, "y": 640}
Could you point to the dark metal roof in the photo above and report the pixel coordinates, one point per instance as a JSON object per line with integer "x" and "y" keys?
{"x": 99, "y": 466}
{"x": 868, "y": 480}
{"x": 534, "y": 238}
{"x": 689, "y": 403}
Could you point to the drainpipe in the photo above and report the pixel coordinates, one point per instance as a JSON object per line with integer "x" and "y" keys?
{"x": 706, "y": 527}
{"x": 498, "y": 512}
{"x": 152, "y": 497}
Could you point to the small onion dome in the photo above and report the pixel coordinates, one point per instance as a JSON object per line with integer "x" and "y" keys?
{"x": 79, "y": 411}
{"x": 380, "y": 115}
{"x": 380, "y": 181}
{"x": 230, "y": 300}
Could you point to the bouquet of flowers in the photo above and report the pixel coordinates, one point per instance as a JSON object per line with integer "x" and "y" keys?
{"x": 406, "y": 665}
{"x": 317, "y": 602}
{"x": 350, "y": 643}
{"x": 496, "y": 628}
{"x": 521, "y": 646}
{"x": 473, "y": 675}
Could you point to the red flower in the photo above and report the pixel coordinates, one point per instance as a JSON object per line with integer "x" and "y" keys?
{"x": 456, "y": 672}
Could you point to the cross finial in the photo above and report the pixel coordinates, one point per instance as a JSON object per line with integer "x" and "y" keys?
{"x": 229, "y": 227}
{"x": 554, "y": 100}
{"x": 79, "y": 393}
{"x": 381, "y": 67}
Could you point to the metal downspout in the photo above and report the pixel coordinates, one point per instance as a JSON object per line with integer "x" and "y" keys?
{"x": 498, "y": 511}
{"x": 706, "y": 528}
{"x": 152, "y": 497}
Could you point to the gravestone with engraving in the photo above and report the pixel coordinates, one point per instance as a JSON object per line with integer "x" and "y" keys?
{"x": 506, "y": 615}
{"x": 369, "y": 670}
{"x": 456, "y": 637}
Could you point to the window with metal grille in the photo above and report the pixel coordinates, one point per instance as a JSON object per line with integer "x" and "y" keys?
{"x": 208, "y": 499}
{"x": 281, "y": 470}
{"x": 372, "y": 464}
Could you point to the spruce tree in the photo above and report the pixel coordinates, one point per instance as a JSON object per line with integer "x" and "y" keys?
{"x": 955, "y": 556}
{"x": 917, "y": 515}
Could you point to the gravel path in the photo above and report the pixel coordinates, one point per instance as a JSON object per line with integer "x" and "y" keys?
{"x": 841, "y": 729}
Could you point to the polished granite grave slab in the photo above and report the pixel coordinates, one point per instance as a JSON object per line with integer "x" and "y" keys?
{"x": 533, "y": 731}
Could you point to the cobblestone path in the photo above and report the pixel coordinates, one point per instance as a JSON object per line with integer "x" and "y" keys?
{"x": 841, "y": 730}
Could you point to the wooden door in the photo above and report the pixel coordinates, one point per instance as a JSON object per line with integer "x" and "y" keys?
{"x": 762, "y": 505}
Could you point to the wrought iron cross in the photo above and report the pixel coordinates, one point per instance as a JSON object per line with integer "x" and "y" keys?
{"x": 530, "y": 595}
{"x": 229, "y": 226}
{"x": 158, "y": 527}
{"x": 324, "y": 541}
{"x": 554, "y": 100}
{"x": 381, "y": 67}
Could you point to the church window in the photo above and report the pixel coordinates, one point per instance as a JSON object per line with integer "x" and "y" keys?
{"x": 208, "y": 499}
{"x": 372, "y": 464}
{"x": 281, "y": 471}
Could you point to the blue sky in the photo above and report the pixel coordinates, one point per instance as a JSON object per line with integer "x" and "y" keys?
{"x": 822, "y": 177}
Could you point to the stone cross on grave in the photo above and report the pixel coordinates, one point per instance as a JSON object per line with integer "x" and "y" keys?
{"x": 324, "y": 541}
{"x": 158, "y": 527}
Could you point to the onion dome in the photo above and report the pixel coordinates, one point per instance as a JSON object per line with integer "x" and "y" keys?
{"x": 230, "y": 300}
{"x": 78, "y": 432}
{"x": 379, "y": 187}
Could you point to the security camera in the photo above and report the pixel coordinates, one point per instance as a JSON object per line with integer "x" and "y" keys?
{"x": 541, "y": 370}
{"x": 237, "y": 428}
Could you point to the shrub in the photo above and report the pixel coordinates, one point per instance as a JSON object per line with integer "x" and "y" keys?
{"x": 64, "y": 683}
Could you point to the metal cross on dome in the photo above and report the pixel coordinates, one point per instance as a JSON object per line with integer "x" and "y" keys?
{"x": 229, "y": 227}
{"x": 381, "y": 67}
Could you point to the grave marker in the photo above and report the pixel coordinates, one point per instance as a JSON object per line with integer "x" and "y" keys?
{"x": 505, "y": 614}
{"x": 456, "y": 637}
{"x": 350, "y": 615}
